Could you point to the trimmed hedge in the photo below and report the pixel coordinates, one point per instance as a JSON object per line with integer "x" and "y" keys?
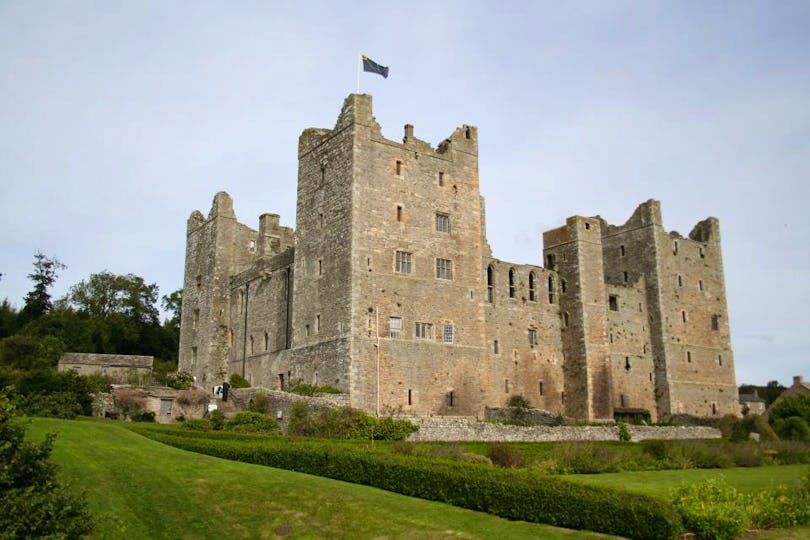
{"x": 512, "y": 494}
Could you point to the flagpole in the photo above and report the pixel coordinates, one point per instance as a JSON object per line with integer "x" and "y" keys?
{"x": 359, "y": 56}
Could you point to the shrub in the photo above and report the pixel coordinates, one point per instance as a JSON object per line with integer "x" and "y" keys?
{"x": 260, "y": 403}
{"x": 785, "y": 407}
{"x": 711, "y": 509}
{"x": 181, "y": 380}
{"x": 197, "y": 424}
{"x": 47, "y": 382}
{"x": 756, "y": 424}
{"x": 252, "y": 422}
{"x": 310, "y": 390}
{"x": 300, "y": 422}
{"x": 519, "y": 402}
{"x": 794, "y": 428}
{"x": 515, "y": 494}
{"x": 193, "y": 397}
{"x": 346, "y": 423}
{"x": 129, "y": 400}
{"x": 778, "y": 508}
{"x": 217, "y": 420}
{"x": 505, "y": 455}
{"x": 237, "y": 381}
{"x": 33, "y": 503}
{"x": 142, "y": 416}
{"x": 56, "y": 405}
{"x": 624, "y": 433}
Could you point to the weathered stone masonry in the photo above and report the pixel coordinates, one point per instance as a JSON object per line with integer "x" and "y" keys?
{"x": 387, "y": 289}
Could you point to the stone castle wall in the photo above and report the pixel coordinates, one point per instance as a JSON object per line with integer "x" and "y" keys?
{"x": 387, "y": 290}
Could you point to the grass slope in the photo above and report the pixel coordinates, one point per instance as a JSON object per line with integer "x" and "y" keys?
{"x": 144, "y": 489}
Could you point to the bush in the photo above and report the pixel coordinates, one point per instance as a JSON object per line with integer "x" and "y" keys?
{"x": 193, "y": 397}
{"x": 624, "y": 433}
{"x": 346, "y": 423}
{"x": 794, "y": 428}
{"x": 785, "y": 407}
{"x": 756, "y": 424}
{"x": 33, "y": 388}
{"x": 56, "y": 405}
{"x": 310, "y": 390}
{"x": 260, "y": 403}
{"x": 216, "y": 419}
{"x": 778, "y": 508}
{"x": 142, "y": 416}
{"x": 515, "y": 494}
{"x": 252, "y": 422}
{"x": 128, "y": 401}
{"x": 181, "y": 380}
{"x": 237, "y": 381}
{"x": 33, "y": 504}
{"x": 711, "y": 509}
{"x": 519, "y": 402}
{"x": 197, "y": 424}
{"x": 505, "y": 455}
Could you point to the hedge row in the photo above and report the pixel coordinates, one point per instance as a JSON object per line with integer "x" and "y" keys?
{"x": 512, "y": 494}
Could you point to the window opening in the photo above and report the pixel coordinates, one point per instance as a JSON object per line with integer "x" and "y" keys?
{"x": 317, "y": 323}
{"x": 441, "y": 178}
{"x": 683, "y": 316}
{"x": 495, "y": 348}
{"x": 306, "y": 330}
{"x": 442, "y": 223}
{"x": 613, "y": 302}
{"x": 199, "y": 281}
{"x": 399, "y": 168}
{"x": 675, "y": 247}
{"x": 506, "y": 385}
{"x": 251, "y": 344}
{"x": 448, "y": 333}
{"x": 451, "y": 398}
{"x": 399, "y": 212}
{"x": 689, "y": 356}
{"x": 625, "y": 277}
{"x": 700, "y": 284}
{"x": 444, "y": 269}
{"x": 410, "y": 397}
{"x": 490, "y": 285}
{"x": 266, "y": 341}
{"x": 621, "y": 251}
{"x": 395, "y": 327}
{"x": 550, "y": 290}
{"x": 532, "y": 337}
{"x": 627, "y": 365}
{"x": 532, "y": 291}
{"x": 540, "y": 384}
{"x": 511, "y": 283}
{"x": 680, "y": 280}
{"x": 701, "y": 253}
{"x": 565, "y": 319}
{"x": 320, "y": 267}
{"x": 715, "y": 322}
{"x": 563, "y": 285}
{"x": 550, "y": 260}
{"x": 719, "y": 359}
{"x": 423, "y": 330}
{"x": 403, "y": 262}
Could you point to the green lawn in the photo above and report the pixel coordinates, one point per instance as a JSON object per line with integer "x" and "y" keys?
{"x": 143, "y": 489}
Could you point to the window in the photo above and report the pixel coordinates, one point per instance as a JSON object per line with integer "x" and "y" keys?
{"x": 395, "y": 327}
{"x": 320, "y": 267}
{"x": 490, "y": 285}
{"x": 403, "y": 262}
{"x": 399, "y": 212}
{"x": 532, "y": 287}
{"x": 266, "y": 341}
{"x": 251, "y": 344}
{"x": 689, "y": 356}
{"x": 511, "y": 283}
{"x": 675, "y": 247}
{"x": 306, "y": 330}
{"x": 680, "y": 280}
{"x": 442, "y": 223}
{"x": 320, "y": 220}
{"x": 700, "y": 284}
{"x": 540, "y": 384}
{"x": 563, "y": 285}
{"x": 495, "y": 347}
{"x": 252, "y": 245}
{"x": 613, "y": 302}
{"x": 399, "y": 168}
{"x": 448, "y": 333}
{"x": 550, "y": 261}
{"x": 506, "y": 385}
{"x": 423, "y": 330}
{"x": 627, "y": 365}
{"x": 587, "y": 226}
{"x": 317, "y": 323}
{"x": 550, "y": 290}
{"x": 193, "y": 355}
{"x": 410, "y": 397}
{"x": 701, "y": 253}
{"x": 715, "y": 322}
{"x": 719, "y": 359}
{"x": 196, "y": 320}
{"x": 444, "y": 269}
{"x": 199, "y": 281}
{"x": 441, "y": 178}
{"x": 683, "y": 316}
{"x": 532, "y": 337}
{"x": 621, "y": 251}
{"x": 565, "y": 319}
{"x": 451, "y": 398}
{"x": 625, "y": 276}
{"x": 621, "y": 400}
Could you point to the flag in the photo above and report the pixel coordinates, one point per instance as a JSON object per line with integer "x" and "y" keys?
{"x": 373, "y": 67}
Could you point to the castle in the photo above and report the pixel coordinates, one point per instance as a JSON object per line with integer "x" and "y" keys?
{"x": 387, "y": 290}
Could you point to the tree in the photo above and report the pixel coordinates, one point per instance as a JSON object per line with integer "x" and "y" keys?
{"x": 38, "y": 301}
{"x": 33, "y": 503}
{"x": 769, "y": 392}
{"x": 9, "y": 318}
{"x": 788, "y": 407}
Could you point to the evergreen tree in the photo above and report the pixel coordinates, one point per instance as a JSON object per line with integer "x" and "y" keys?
{"x": 38, "y": 300}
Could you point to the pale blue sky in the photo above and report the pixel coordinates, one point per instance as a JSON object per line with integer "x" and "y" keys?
{"x": 119, "y": 118}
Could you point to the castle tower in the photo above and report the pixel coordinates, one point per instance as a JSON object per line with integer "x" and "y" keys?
{"x": 575, "y": 252}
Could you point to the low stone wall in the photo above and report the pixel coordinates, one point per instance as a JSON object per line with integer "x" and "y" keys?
{"x": 458, "y": 428}
{"x": 281, "y": 402}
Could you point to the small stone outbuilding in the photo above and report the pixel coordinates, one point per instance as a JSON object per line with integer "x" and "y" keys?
{"x": 118, "y": 368}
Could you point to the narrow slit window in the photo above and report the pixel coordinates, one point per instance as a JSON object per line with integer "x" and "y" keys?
{"x": 399, "y": 168}
{"x": 490, "y": 285}
{"x": 495, "y": 348}
{"x": 441, "y": 179}
{"x": 399, "y": 212}
{"x": 511, "y": 283}
{"x": 532, "y": 287}
{"x": 715, "y": 322}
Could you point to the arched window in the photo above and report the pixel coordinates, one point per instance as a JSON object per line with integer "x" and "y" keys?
{"x": 532, "y": 291}
{"x": 490, "y": 285}
{"x": 550, "y": 289}
{"x": 511, "y": 283}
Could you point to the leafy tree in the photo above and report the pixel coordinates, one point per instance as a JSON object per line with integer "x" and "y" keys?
{"x": 38, "y": 301}
{"x": 790, "y": 406}
{"x": 769, "y": 392}
{"x": 35, "y": 390}
{"x": 33, "y": 503}
{"x": 29, "y": 352}
{"x": 9, "y": 319}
